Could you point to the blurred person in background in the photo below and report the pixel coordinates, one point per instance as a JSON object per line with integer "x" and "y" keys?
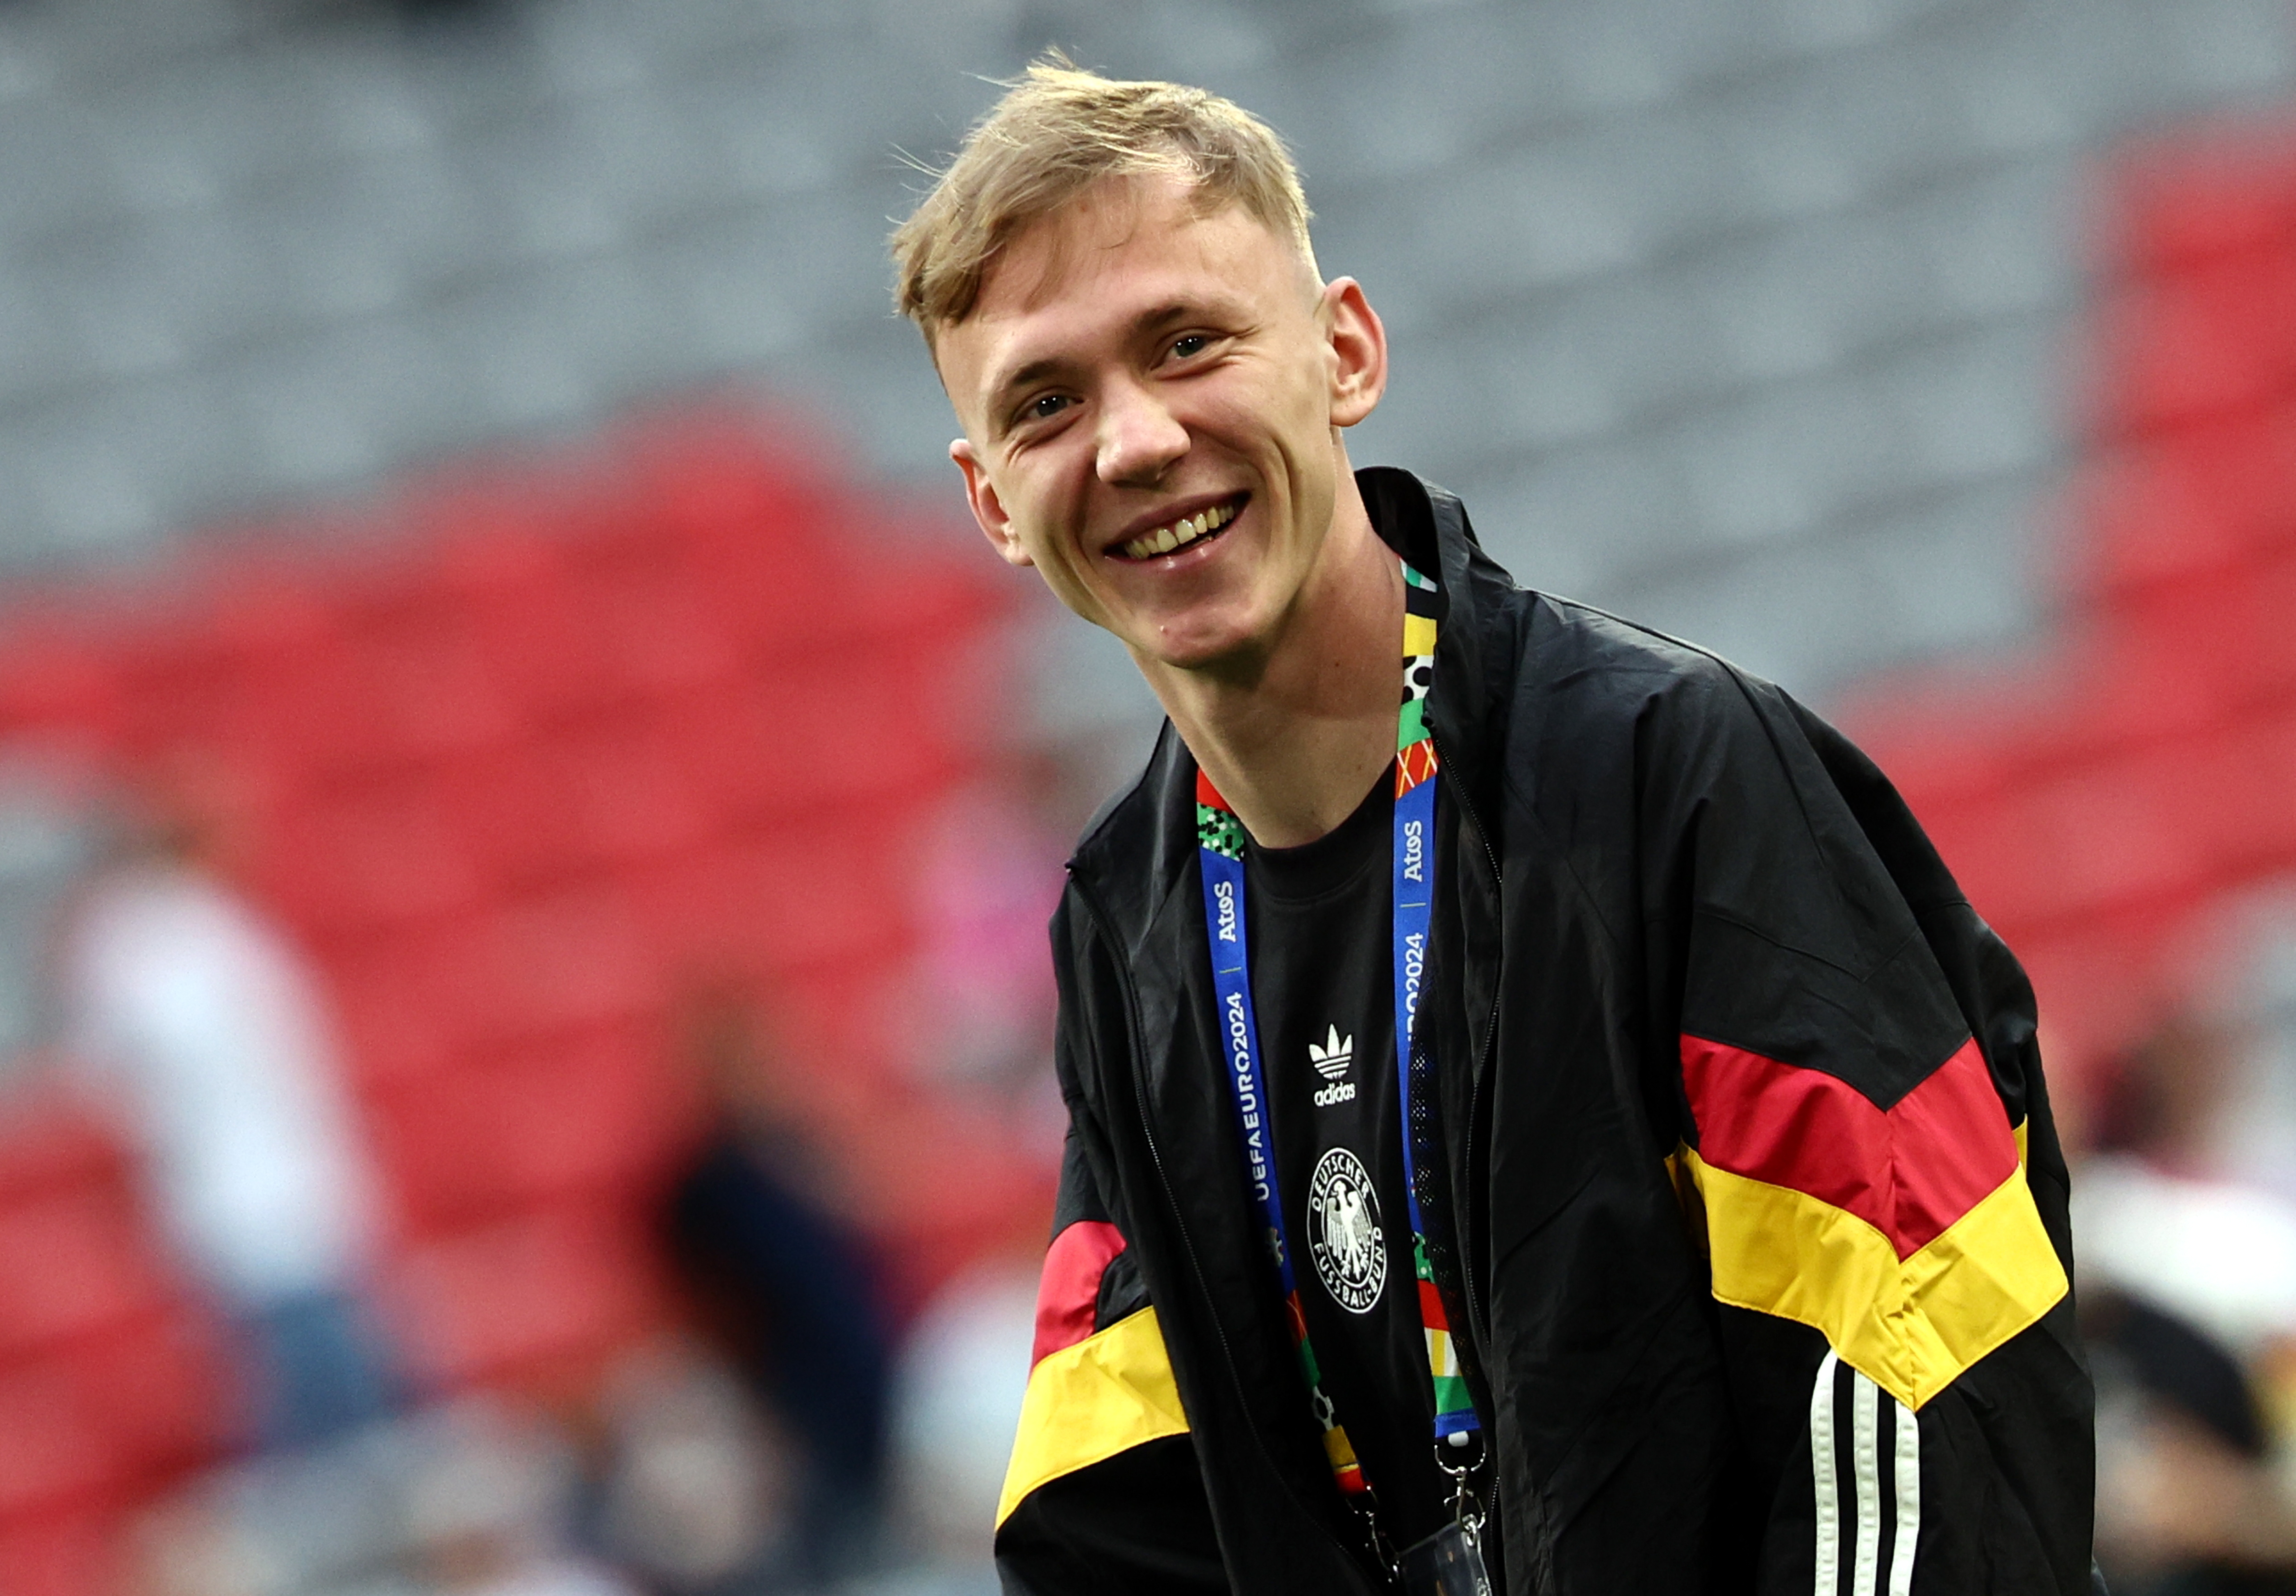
{"x": 209, "y": 1029}
{"x": 990, "y": 876}
{"x": 693, "y": 1487}
{"x": 783, "y": 1286}
{"x": 2161, "y": 1219}
{"x": 1726, "y": 1246}
{"x": 960, "y": 1379}
{"x": 2189, "y": 1500}
{"x": 983, "y": 1022}
{"x": 2189, "y": 1284}
{"x": 488, "y": 1511}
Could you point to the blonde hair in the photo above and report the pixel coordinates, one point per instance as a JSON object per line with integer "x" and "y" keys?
{"x": 1058, "y": 131}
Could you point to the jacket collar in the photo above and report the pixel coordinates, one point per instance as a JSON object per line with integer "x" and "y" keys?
{"x": 1152, "y": 823}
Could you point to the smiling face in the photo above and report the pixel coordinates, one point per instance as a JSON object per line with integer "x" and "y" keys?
{"x": 1151, "y": 399}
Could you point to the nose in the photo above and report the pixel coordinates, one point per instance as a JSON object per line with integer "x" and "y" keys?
{"x": 1138, "y": 437}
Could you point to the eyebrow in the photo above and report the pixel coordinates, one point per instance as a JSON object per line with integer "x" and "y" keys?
{"x": 1006, "y": 388}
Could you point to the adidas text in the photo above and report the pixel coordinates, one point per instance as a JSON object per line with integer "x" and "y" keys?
{"x": 1343, "y": 1092}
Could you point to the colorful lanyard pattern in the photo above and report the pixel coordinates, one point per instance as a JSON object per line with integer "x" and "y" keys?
{"x": 1219, "y": 838}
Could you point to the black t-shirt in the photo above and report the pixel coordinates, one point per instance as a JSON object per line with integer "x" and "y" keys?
{"x": 1320, "y": 928}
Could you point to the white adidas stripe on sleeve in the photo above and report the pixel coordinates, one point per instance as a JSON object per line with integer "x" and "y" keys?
{"x": 1907, "y": 1478}
{"x": 1865, "y": 1461}
{"x": 1823, "y": 1477}
{"x": 1869, "y": 1550}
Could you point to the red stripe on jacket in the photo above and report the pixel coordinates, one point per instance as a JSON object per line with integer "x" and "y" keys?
{"x": 1068, "y": 1295}
{"x": 1909, "y": 1172}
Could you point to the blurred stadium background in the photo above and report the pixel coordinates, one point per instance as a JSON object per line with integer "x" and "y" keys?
{"x": 455, "y": 459}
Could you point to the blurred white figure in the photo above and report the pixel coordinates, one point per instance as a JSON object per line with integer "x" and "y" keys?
{"x": 696, "y": 1496}
{"x": 208, "y": 1029}
{"x": 2155, "y": 1213}
{"x": 194, "y": 1545}
{"x": 486, "y": 1511}
{"x": 2188, "y": 1281}
{"x": 961, "y": 1375}
{"x": 2219, "y": 1255}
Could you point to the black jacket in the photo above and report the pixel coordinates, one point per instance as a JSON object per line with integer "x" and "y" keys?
{"x": 1755, "y": 1218}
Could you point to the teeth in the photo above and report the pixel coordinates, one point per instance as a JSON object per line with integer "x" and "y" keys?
{"x": 1163, "y": 540}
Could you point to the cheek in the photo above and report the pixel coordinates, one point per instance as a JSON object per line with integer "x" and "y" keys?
{"x": 1053, "y": 512}
{"x": 1303, "y": 410}
{"x": 1030, "y": 495}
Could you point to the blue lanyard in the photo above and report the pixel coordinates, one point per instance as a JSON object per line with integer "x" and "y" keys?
{"x": 1220, "y": 853}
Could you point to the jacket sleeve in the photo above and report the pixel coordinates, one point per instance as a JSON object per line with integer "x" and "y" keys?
{"x": 1104, "y": 1494}
{"x": 1867, "y": 1157}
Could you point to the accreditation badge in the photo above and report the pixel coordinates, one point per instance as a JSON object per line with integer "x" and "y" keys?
{"x": 1448, "y": 1563}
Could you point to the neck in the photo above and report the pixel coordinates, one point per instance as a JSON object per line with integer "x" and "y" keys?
{"x": 1295, "y": 737}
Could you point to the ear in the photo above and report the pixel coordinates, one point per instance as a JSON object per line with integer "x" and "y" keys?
{"x": 988, "y": 508}
{"x": 1359, "y": 345}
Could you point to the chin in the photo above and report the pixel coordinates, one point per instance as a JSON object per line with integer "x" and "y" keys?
{"x": 1217, "y": 628}
{"x": 1200, "y": 651}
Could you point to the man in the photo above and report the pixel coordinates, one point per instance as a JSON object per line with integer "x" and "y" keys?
{"x": 1535, "y": 1095}
{"x": 212, "y": 1030}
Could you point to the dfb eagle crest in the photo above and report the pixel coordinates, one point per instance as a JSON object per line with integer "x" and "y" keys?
{"x": 1343, "y": 1232}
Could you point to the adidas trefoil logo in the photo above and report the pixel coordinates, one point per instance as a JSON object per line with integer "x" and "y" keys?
{"x": 1331, "y": 1061}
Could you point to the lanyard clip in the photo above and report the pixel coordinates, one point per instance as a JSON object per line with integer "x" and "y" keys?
{"x": 1466, "y": 1508}
{"x": 1383, "y": 1549}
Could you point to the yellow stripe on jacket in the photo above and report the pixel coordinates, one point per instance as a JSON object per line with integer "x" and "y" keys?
{"x": 1911, "y": 1325}
{"x": 1107, "y": 1394}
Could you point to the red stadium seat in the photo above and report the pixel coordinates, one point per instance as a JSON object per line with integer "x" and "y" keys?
{"x": 61, "y": 1553}
{"x": 245, "y": 670}
{"x": 2159, "y": 514}
{"x": 2216, "y": 342}
{"x": 429, "y": 688}
{"x": 508, "y": 808}
{"x": 624, "y": 790}
{"x": 54, "y": 1460}
{"x": 408, "y": 1001}
{"x": 538, "y": 1302}
{"x": 76, "y": 1262}
{"x": 55, "y": 1139}
{"x": 2177, "y": 662}
{"x": 379, "y": 852}
{"x": 157, "y": 1391}
{"x": 2199, "y": 199}
{"x": 54, "y": 678}
{"x": 580, "y": 1117}
{"x": 814, "y": 900}
{"x": 562, "y": 961}
{"x": 2236, "y": 788}
{"x": 527, "y": 625}
{"x": 657, "y": 625}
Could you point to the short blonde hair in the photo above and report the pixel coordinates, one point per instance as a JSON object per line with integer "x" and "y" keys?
{"x": 1058, "y": 131}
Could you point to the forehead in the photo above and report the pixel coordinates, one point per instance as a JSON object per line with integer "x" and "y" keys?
{"x": 1126, "y": 248}
{"x": 1124, "y": 226}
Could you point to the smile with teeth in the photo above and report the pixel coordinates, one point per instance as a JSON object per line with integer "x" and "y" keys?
{"x": 1163, "y": 540}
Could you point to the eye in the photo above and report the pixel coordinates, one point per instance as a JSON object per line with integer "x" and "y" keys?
{"x": 1189, "y": 345}
{"x": 1043, "y": 407}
